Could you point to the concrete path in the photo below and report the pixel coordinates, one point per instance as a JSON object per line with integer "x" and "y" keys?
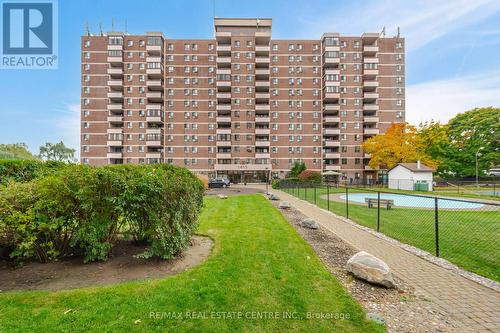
{"x": 475, "y": 306}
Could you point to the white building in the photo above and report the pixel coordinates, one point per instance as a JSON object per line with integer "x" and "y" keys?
{"x": 410, "y": 176}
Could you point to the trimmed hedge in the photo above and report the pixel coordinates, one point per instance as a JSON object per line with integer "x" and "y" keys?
{"x": 26, "y": 170}
{"x": 81, "y": 210}
{"x": 310, "y": 176}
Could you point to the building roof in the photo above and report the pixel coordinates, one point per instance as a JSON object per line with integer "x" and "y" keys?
{"x": 413, "y": 167}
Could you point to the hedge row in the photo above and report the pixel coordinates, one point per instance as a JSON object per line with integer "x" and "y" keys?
{"x": 26, "y": 170}
{"x": 81, "y": 210}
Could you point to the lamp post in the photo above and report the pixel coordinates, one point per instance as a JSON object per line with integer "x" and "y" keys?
{"x": 267, "y": 180}
{"x": 477, "y": 167}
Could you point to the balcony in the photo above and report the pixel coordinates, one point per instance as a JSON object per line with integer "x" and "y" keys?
{"x": 370, "y": 49}
{"x": 154, "y": 49}
{"x": 223, "y": 143}
{"x": 153, "y": 130}
{"x": 368, "y": 168}
{"x": 262, "y": 131}
{"x": 154, "y": 84}
{"x": 115, "y": 119}
{"x": 114, "y": 143}
{"x": 223, "y": 60}
{"x": 369, "y": 119}
{"x": 115, "y": 83}
{"x": 331, "y": 48}
{"x": 332, "y": 95}
{"x": 370, "y": 60}
{"x": 261, "y": 120}
{"x": 264, "y": 84}
{"x": 115, "y": 60}
{"x": 115, "y": 94}
{"x": 154, "y": 72}
{"x": 155, "y": 95}
{"x": 115, "y": 71}
{"x": 223, "y": 119}
{"x": 262, "y": 48}
{"x": 331, "y": 131}
{"x": 154, "y": 106}
{"x": 115, "y": 106}
{"x": 223, "y": 48}
{"x": 371, "y": 131}
{"x": 262, "y": 143}
{"x": 328, "y": 62}
{"x": 223, "y": 71}
{"x": 223, "y": 131}
{"x": 262, "y": 155}
{"x": 262, "y": 95}
{"x": 153, "y": 119}
{"x": 370, "y": 107}
{"x": 223, "y": 34}
{"x": 223, "y": 95}
{"x": 114, "y": 155}
{"x": 331, "y": 155}
{"x": 370, "y": 72}
{"x": 114, "y": 130}
{"x": 370, "y": 84}
{"x": 223, "y": 83}
{"x": 367, "y": 155}
{"x": 370, "y": 95}
{"x": 330, "y": 71}
{"x": 331, "y": 107}
{"x": 223, "y": 155}
{"x": 223, "y": 107}
{"x": 153, "y": 143}
{"x": 262, "y": 107}
{"x": 261, "y": 71}
{"x": 153, "y": 155}
{"x": 331, "y": 143}
{"x": 115, "y": 47}
{"x": 332, "y": 167}
{"x": 153, "y": 59}
{"x": 330, "y": 119}
{"x": 262, "y": 60}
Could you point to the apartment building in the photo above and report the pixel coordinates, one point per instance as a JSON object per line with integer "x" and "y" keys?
{"x": 241, "y": 104}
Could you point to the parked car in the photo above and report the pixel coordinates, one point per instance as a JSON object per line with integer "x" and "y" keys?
{"x": 494, "y": 172}
{"x": 218, "y": 182}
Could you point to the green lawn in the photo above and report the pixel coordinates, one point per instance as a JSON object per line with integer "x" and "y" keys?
{"x": 468, "y": 238}
{"x": 259, "y": 264}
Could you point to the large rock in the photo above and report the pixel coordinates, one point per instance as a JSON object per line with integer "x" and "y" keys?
{"x": 273, "y": 197}
{"x": 285, "y": 205}
{"x": 370, "y": 268}
{"x": 221, "y": 196}
{"x": 309, "y": 224}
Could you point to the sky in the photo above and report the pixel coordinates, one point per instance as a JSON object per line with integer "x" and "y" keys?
{"x": 452, "y": 59}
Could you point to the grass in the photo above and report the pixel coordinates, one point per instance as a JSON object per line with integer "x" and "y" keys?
{"x": 259, "y": 264}
{"x": 467, "y": 238}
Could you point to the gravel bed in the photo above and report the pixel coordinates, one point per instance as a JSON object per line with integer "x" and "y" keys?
{"x": 400, "y": 308}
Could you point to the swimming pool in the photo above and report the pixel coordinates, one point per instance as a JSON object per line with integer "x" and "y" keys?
{"x": 413, "y": 201}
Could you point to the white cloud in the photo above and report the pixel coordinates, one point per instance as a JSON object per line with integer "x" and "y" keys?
{"x": 420, "y": 21}
{"x": 442, "y": 99}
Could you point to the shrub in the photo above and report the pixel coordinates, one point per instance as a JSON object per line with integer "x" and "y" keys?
{"x": 276, "y": 184}
{"x": 310, "y": 176}
{"x": 26, "y": 170}
{"x": 83, "y": 210}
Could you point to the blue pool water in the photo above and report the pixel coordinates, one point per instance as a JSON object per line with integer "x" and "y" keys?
{"x": 413, "y": 201}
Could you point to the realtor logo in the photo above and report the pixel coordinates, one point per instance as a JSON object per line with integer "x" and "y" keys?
{"x": 29, "y": 34}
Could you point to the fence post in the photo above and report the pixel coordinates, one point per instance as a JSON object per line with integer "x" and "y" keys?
{"x": 378, "y": 211}
{"x": 436, "y": 224}
{"x": 305, "y": 192}
{"x": 347, "y": 201}
{"x": 314, "y": 187}
{"x": 328, "y": 196}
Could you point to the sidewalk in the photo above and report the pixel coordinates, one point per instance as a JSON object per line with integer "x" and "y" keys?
{"x": 475, "y": 306}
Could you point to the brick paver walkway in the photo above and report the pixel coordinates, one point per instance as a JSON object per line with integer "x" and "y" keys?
{"x": 475, "y": 306}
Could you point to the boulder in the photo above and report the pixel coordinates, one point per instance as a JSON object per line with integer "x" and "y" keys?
{"x": 285, "y": 205}
{"x": 370, "y": 268}
{"x": 221, "y": 196}
{"x": 273, "y": 197}
{"x": 309, "y": 224}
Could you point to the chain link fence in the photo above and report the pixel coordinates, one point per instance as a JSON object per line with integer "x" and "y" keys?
{"x": 464, "y": 232}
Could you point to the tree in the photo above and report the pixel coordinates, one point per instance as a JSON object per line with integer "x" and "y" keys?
{"x": 310, "y": 176}
{"x": 438, "y": 147}
{"x": 57, "y": 152}
{"x": 476, "y": 130}
{"x": 15, "y": 151}
{"x": 399, "y": 144}
{"x": 297, "y": 168}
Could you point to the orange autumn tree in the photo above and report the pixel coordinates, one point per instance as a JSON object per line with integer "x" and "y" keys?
{"x": 400, "y": 144}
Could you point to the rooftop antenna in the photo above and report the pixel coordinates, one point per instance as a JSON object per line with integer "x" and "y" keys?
{"x": 112, "y": 24}
{"x": 258, "y": 21}
{"x": 399, "y": 31}
{"x": 126, "y": 28}
{"x": 87, "y": 30}
{"x": 382, "y": 34}
{"x": 100, "y": 29}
